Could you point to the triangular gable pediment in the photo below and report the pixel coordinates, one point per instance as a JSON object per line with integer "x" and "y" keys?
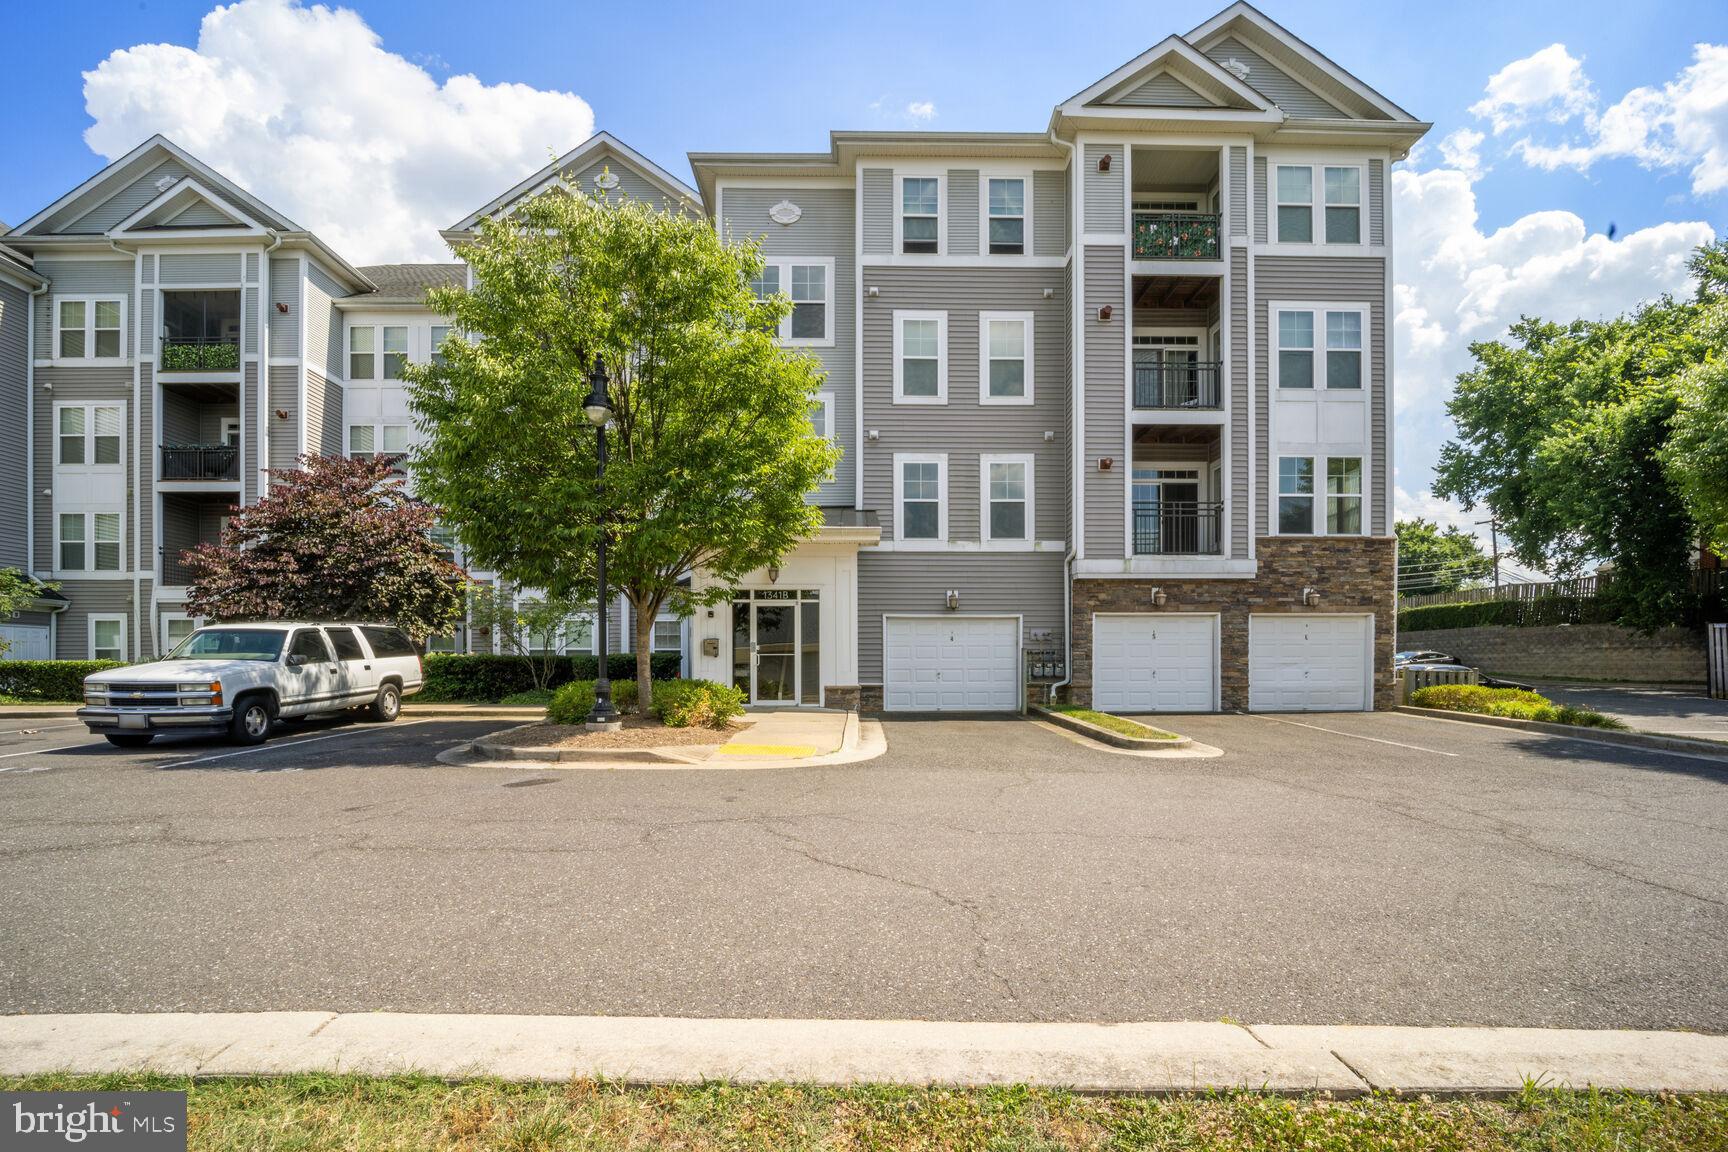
{"x": 185, "y": 205}
{"x": 1288, "y": 71}
{"x": 1171, "y": 74}
{"x": 601, "y": 166}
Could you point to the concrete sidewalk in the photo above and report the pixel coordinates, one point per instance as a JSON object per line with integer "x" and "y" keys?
{"x": 1131, "y": 1057}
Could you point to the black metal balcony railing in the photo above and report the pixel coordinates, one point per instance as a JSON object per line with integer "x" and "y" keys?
{"x": 1176, "y": 236}
{"x": 200, "y": 462}
{"x": 1178, "y": 528}
{"x": 1178, "y": 384}
{"x": 199, "y": 354}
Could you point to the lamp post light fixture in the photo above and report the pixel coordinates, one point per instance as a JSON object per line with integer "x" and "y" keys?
{"x": 598, "y": 409}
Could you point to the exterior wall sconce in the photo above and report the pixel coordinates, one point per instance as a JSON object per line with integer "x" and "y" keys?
{"x": 1310, "y": 596}
{"x": 873, "y": 434}
{"x": 1049, "y": 292}
{"x": 1049, "y": 435}
{"x": 1105, "y": 313}
{"x": 281, "y": 414}
{"x": 773, "y": 574}
{"x": 1104, "y": 162}
{"x": 1158, "y": 597}
{"x": 872, "y": 291}
{"x": 952, "y": 599}
{"x": 282, "y": 307}
{"x": 1105, "y": 463}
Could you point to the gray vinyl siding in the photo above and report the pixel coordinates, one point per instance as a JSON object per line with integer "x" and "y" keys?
{"x": 1105, "y": 380}
{"x": 251, "y": 267}
{"x": 824, "y": 229}
{"x": 249, "y": 407}
{"x": 1376, "y": 202}
{"x": 1278, "y": 86}
{"x": 249, "y": 329}
{"x": 14, "y": 386}
{"x": 323, "y": 323}
{"x": 962, "y": 211}
{"x": 111, "y": 278}
{"x": 1240, "y": 518}
{"x": 120, "y": 202}
{"x": 1238, "y": 207}
{"x": 326, "y": 435}
{"x": 205, "y": 268}
{"x": 96, "y": 598}
{"x": 1050, "y": 212}
{"x": 963, "y": 428}
{"x": 1345, "y": 279}
{"x": 1027, "y": 584}
{"x": 79, "y": 385}
{"x": 878, "y": 208}
{"x": 1069, "y": 448}
{"x": 179, "y": 535}
{"x": 202, "y": 215}
{"x": 181, "y": 419}
{"x": 285, "y": 289}
{"x": 1163, "y": 91}
{"x": 284, "y": 397}
{"x": 1258, "y": 191}
{"x": 1104, "y": 190}
{"x": 1145, "y": 317}
{"x": 632, "y": 185}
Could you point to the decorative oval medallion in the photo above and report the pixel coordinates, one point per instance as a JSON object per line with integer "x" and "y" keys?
{"x": 607, "y": 180}
{"x": 785, "y": 212}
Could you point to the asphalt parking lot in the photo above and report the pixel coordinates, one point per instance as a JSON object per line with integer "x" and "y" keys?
{"x": 1327, "y": 869}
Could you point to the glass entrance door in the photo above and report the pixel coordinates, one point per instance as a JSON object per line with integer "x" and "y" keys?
{"x": 775, "y": 646}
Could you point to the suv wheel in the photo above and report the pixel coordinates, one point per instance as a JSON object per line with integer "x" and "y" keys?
{"x": 388, "y": 705}
{"x": 251, "y": 723}
{"x": 129, "y": 739}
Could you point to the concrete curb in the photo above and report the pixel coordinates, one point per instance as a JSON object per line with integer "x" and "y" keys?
{"x": 1715, "y": 749}
{"x": 862, "y": 740}
{"x": 1105, "y": 736}
{"x": 409, "y": 708}
{"x": 1127, "y": 1057}
{"x": 553, "y": 755}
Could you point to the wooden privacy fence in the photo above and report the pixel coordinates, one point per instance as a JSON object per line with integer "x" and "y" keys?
{"x": 1706, "y": 582}
{"x": 1716, "y": 646}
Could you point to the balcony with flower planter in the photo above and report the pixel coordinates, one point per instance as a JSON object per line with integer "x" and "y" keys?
{"x": 1177, "y": 236}
{"x": 199, "y": 336}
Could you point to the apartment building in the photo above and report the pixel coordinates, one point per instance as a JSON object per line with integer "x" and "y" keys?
{"x": 1114, "y": 394}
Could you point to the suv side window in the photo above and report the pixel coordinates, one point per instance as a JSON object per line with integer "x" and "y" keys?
{"x": 308, "y": 643}
{"x": 346, "y": 645}
{"x": 388, "y": 642}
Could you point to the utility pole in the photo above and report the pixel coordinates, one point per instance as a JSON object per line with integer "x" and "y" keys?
{"x": 1493, "y": 523}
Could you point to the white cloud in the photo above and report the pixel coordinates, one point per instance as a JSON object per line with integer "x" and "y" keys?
{"x": 921, "y": 111}
{"x": 1685, "y": 122}
{"x": 1461, "y": 149}
{"x": 1549, "y": 83}
{"x": 1457, "y": 284}
{"x": 342, "y": 136}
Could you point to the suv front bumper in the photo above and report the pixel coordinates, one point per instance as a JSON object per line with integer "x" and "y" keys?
{"x": 110, "y": 719}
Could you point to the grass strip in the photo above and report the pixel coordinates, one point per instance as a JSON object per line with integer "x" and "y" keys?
{"x": 310, "y": 1113}
{"x": 1120, "y": 725}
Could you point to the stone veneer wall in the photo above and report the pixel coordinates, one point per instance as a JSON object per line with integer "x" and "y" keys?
{"x": 1574, "y": 652}
{"x": 1352, "y": 574}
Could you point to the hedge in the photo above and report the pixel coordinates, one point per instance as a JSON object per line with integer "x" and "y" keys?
{"x": 1506, "y": 613}
{"x": 49, "y": 681}
{"x": 1514, "y": 703}
{"x": 487, "y": 679}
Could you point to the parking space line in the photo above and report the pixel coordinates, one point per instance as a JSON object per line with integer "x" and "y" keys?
{"x": 37, "y": 752}
{"x": 1352, "y": 735}
{"x": 357, "y": 732}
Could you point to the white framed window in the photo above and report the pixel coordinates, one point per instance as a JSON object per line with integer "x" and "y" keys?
{"x": 394, "y": 340}
{"x": 1006, "y": 220}
{"x": 920, "y": 357}
{"x": 1005, "y": 487}
{"x": 362, "y": 353}
{"x": 89, "y": 329}
{"x": 108, "y": 638}
{"x": 1317, "y": 203}
{"x": 1343, "y": 496}
{"x": 822, "y": 415}
{"x": 1295, "y": 348}
{"x": 87, "y": 541}
{"x": 436, "y": 335}
{"x": 668, "y": 634}
{"x": 579, "y": 633}
{"x": 377, "y": 440}
{"x": 1005, "y": 358}
{"x": 1295, "y": 495}
{"x": 1304, "y": 363}
{"x": 921, "y": 496}
{"x": 176, "y": 626}
{"x": 231, "y": 431}
{"x": 919, "y": 227}
{"x": 810, "y": 285}
{"x": 1344, "y": 350}
{"x": 89, "y": 435}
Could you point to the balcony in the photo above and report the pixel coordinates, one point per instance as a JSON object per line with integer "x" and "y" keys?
{"x": 1178, "y": 527}
{"x": 1191, "y": 385}
{"x": 199, "y": 354}
{"x": 200, "y": 462}
{"x": 200, "y": 333}
{"x": 1177, "y": 236}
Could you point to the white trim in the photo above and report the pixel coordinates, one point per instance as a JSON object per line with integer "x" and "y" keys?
{"x": 941, "y": 319}
{"x": 926, "y": 260}
{"x": 1320, "y": 461}
{"x": 164, "y": 618}
{"x": 88, "y": 516}
{"x": 940, "y": 459}
{"x": 1027, "y": 322}
{"x": 899, "y": 205}
{"x": 669, "y": 184}
{"x": 1026, "y": 204}
{"x": 1182, "y": 49}
{"x": 1316, "y": 164}
{"x": 242, "y": 224}
{"x": 1057, "y": 546}
{"x": 783, "y": 266}
{"x": 90, "y": 359}
{"x": 985, "y": 460}
{"x": 826, "y": 400}
{"x": 90, "y": 623}
{"x": 858, "y": 341}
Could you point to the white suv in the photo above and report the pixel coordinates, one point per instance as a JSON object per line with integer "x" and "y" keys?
{"x": 241, "y": 678}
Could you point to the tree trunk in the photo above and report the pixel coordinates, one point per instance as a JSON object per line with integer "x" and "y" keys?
{"x": 644, "y": 661}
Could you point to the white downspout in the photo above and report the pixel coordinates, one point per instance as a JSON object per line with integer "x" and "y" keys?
{"x": 139, "y": 453}
{"x": 263, "y": 374}
{"x": 30, "y": 443}
{"x": 1075, "y": 376}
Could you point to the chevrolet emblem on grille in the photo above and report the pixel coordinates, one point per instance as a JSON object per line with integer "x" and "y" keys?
{"x": 136, "y": 695}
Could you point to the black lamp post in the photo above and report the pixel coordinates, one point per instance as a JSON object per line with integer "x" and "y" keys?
{"x": 599, "y": 410}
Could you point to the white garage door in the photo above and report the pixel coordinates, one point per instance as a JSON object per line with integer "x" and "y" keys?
{"x": 28, "y": 641}
{"x": 1154, "y": 662}
{"x": 1308, "y": 663}
{"x": 951, "y": 664}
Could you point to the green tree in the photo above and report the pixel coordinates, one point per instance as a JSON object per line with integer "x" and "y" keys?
{"x": 1564, "y": 431}
{"x": 1435, "y": 559}
{"x": 711, "y": 445}
{"x": 1696, "y": 454}
{"x": 530, "y": 627}
{"x": 17, "y": 593}
{"x": 333, "y": 539}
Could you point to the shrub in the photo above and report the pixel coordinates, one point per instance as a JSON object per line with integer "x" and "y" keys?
{"x": 485, "y": 678}
{"x": 1513, "y": 703}
{"x": 572, "y": 703}
{"x": 533, "y": 698}
{"x": 688, "y": 703}
{"x": 49, "y": 681}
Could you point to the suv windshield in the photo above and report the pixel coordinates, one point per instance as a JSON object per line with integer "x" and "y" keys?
{"x": 230, "y": 644}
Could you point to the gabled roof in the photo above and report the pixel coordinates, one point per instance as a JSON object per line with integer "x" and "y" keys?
{"x": 1175, "y": 56}
{"x": 595, "y": 147}
{"x": 130, "y": 167}
{"x": 1306, "y": 64}
{"x": 408, "y": 282}
{"x": 181, "y": 198}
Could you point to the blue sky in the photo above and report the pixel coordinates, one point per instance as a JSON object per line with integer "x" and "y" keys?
{"x": 671, "y": 78}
